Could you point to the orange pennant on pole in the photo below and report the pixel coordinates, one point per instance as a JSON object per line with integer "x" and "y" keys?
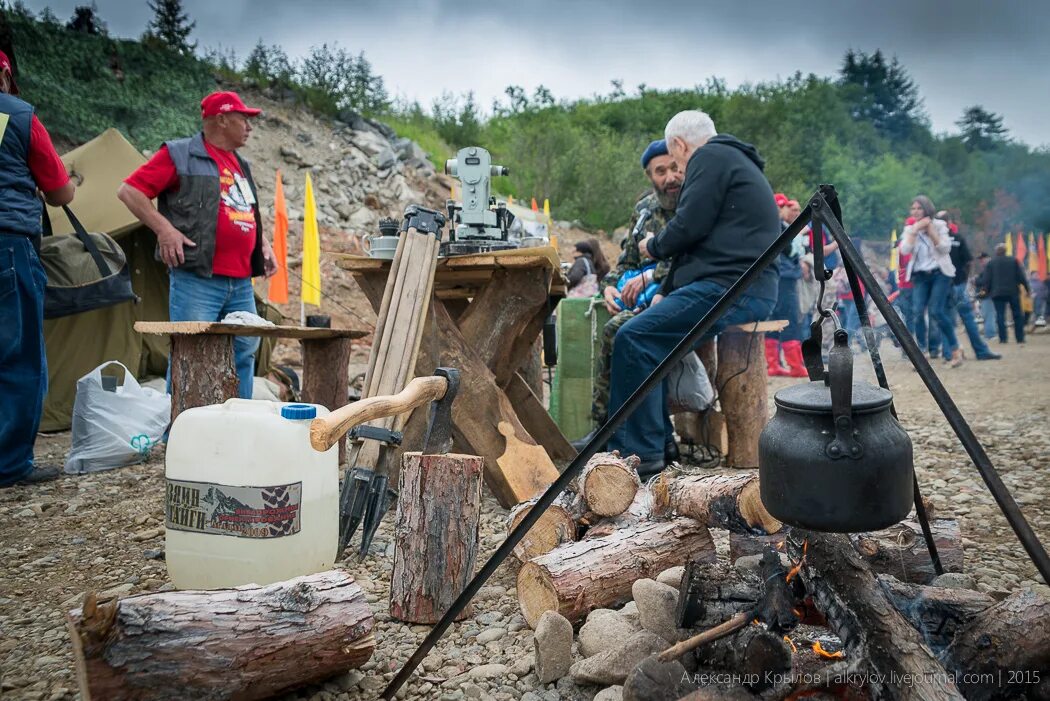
{"x": 278, "y": 291}
{"x": 1020, "y": 250}
{"x": 535, "y": 207}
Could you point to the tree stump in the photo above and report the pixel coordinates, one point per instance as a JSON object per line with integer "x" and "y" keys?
{"x": 251, "y": 642}
{"x": 325, "y": 379}
{"x": 189, "y": 386}
{"x": 741, "y": 383}
{"x": 435, "y": 534}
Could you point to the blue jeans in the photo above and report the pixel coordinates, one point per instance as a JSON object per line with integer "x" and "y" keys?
{"x": 646, "y": 340}
{"x": 787, "y": 308}
{"x": 964, "y": 308}
{"x": 931, "y": 290}
{"x": 23, "y": 360}
{"x": 988, "y": 312}
{"x": 194, "y": 298}
{"x": 907, "y": 308}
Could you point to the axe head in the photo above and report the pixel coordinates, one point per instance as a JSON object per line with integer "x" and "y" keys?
{"x": 438, "y": 440}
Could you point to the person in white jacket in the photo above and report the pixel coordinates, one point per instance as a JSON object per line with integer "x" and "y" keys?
{"x": 930, "y": 271}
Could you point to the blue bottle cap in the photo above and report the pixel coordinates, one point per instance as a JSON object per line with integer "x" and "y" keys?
{"x": 298, "y": 412}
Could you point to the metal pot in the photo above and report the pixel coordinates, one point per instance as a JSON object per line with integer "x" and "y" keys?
{"x": 833, "y": 457}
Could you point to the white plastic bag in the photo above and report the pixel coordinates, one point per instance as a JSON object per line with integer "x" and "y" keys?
{"x": 113, "y": 429}
{"x": 688, "y": 386}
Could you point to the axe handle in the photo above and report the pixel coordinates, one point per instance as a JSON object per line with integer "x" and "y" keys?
{"x": 325, "y": 431}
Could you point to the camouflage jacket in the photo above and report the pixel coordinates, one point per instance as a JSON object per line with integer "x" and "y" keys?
{"x": 630, "y": 258}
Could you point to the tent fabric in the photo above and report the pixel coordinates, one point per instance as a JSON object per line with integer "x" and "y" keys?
{"x": 79, "y": 343}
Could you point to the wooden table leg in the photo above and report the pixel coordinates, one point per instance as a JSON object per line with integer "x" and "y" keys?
{"x": 325, "y": 379}
{"x": 741, "y": 376}
{"x": 203, "y": 371}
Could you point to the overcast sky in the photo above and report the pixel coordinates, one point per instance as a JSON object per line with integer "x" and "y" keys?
{"x": 961, "y": 52}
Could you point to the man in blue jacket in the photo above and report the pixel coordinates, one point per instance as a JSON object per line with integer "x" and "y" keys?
{"x": 28, "y": 165}
{"x": 726, "y": 218}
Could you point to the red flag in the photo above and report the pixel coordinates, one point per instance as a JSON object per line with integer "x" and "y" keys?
{"x": 535, "y": 207}
{"x": 1021, "y": 250}
{"x": 279, "y": 282}
{"x": 1041, "y": 263}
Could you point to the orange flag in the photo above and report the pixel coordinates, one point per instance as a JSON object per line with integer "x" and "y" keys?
{"x": 1020, "y": 250}
{"x": 1041, "y": 263}
{"x": 535, "y": 207}
{"x": 278, "y": 292}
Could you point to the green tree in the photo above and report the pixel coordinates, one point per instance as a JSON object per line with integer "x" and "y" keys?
{"x": 457, "y": 119}
{"x": 171, "y": 25}
{"x": 269, "y": 64}
{"x": 881, "y": 92}
{"x": 85, "y": 20}
{"x": 981, "y": 129}
{"x": 336, "y": 79}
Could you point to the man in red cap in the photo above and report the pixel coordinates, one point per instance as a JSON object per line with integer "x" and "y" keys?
{"x": 28, "y": 165}
{"x": 207, "y": 221}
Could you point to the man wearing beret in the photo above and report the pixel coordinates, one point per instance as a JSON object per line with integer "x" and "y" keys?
{"x": 725, "y": 219}
{"x": 207, "y": 221}
{"x": 626, "y": 300}
{"x": 29, "y": 168}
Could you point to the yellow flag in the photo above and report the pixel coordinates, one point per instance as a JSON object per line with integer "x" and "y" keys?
{"x": 311, "y": 292}
{"x": 893, "y": 250}
{"x": 547, "y": 208}
{"x": 510, "y": 199}
{"x": 1009, "y": 245}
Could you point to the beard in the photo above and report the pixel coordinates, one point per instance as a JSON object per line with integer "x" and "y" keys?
{"x": 668, "y": 199}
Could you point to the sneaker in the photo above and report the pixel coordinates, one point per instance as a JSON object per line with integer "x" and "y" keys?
{"x": 1040, "y": 321}
{"x": 990, "y": 356}
{"x": 671, "y": 452}
{"x": 40, "y": 474}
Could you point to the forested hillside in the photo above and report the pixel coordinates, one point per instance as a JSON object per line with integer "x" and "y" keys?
{"x": 861, "y": 126}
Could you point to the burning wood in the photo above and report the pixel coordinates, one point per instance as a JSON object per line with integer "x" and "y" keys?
{"x": 837, "y": 655}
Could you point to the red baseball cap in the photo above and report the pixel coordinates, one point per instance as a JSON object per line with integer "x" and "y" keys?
{"x": 223, "y": 102}
{"x": 780, "y": 198}
{"x": 5, "y": 65}
{"x": 793, "y": 203}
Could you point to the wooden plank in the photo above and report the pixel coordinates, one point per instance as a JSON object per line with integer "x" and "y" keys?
{"x": 500, "y": 314}
{"x": 536, "y": 420}
{"x": 195, "y": 328}
{"x": 759, "y": 327}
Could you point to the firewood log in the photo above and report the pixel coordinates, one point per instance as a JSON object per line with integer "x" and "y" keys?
{"x": 607, "y": 484}
{"x": 755, "y": 654}
{"x": 246, "y": 643}
{"x": 576, "y": 578}
{"x": 641, "y": 509}
{"x": 718, "y": 500}
{"x": 936, "y": 612}
{"x": 556, "y": 525}
{"x": 710, "y": 595}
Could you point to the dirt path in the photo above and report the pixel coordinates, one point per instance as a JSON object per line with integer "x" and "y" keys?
{"x": 99, "y": 533}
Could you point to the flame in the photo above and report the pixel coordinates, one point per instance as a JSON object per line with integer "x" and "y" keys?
{"x": 788, "y": 641}
{"x": 798, "y": 613}
{"x": 780, "y": 545}
{"x": 798, "y": 567}
{"x": 827, "y": 655}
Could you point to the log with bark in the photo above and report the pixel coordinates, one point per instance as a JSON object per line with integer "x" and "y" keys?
{"x": 555, "y": 526}
{"x": 607, "y": 484}
{"x": 575, "y": 578}
{"x": 936, "y": 612}
{"x": 899, "y": 550}
{"x": 756, "y": 654}
{"x": 247, "y": 643}
{"x": 718, "y": 500}
{"x": 710, "y": 594}
{"x": 846, "y": 591}
{"x": 435, "y": 534}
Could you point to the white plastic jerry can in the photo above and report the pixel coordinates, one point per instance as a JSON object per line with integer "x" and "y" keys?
{"x": 248, "y": 500}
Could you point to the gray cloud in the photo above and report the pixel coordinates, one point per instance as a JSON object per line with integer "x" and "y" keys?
{"x": 961, "y": 53}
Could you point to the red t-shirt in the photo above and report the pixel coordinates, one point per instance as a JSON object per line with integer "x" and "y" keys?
{"x": 46, "y": 167}
{"x": 235, "y": 229}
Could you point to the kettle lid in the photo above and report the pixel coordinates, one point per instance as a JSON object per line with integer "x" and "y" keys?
{"x": 816, "y": 397}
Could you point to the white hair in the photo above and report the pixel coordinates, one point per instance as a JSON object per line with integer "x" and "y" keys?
{"x": 692, "y": 126}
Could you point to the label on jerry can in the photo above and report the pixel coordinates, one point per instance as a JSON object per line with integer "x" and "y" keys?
{"x": 242, "y": 512}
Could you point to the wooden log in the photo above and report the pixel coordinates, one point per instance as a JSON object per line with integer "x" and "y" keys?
{"x": 710, "y": 594}
{"x": 899, "y": 550}
{"x": 641, "y": 509}
{"x": 575, "y": 578}
{"x": 435, "y": 534}
{"x": 1004, "y": 653}
{"x": 717, "y": 500}
{"x": 607, "y": 484}
{"x": 845, "y": 590}
{"x": 936, "y": 612}
{"x": 741, "y": 377}
{"x": 325, "y": 379}
{"x": 190, "y": 387}
{"x": 532, "y": 369}
{"x": 557, "y": 525}
{"x": 757, "y": 655}
{"x": 247, "y": 643}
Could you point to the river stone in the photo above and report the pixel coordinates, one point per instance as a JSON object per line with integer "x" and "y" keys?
{"x": 553, "y": 642}
{"x": 611, "y": 693}
{"x": 657, "y": 605}
{"x": 604, "y": 632}
{"x": 672, "y": 576}
{"x": 611, "y": 667}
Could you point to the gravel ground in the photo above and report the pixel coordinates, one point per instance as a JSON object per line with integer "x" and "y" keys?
{"x": 101, "y": 532}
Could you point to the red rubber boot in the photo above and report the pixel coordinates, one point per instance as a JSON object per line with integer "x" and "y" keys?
{"x": 773, "y": 366}
{"x": 793, "y": 356}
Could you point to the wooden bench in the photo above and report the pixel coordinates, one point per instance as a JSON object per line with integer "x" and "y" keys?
{"x": 736, "y": 364}
{"x": 203, "y": 371}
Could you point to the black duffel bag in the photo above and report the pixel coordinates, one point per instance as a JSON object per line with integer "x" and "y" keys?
{"x": 84, "y": 271}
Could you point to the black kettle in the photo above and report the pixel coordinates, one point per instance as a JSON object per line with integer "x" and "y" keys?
{"x": 833, "y": 457}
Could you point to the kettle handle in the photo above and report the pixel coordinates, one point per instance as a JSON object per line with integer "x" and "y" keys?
{"x": 840, "y": 379}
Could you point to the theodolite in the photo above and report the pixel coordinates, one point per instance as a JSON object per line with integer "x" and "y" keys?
{"x": 480, "y": 223}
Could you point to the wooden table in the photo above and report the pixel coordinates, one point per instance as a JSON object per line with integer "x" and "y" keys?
{"x": 485, "y": 318}
{"x": 203, "y": 370}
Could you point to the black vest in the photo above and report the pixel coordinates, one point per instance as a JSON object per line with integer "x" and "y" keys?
{"x": 19, "y": 205}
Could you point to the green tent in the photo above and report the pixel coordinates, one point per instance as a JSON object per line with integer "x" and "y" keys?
{"x": 78, "y": 344}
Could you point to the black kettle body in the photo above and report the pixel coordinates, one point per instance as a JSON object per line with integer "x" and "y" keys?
{"x": 833, "y": 457}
